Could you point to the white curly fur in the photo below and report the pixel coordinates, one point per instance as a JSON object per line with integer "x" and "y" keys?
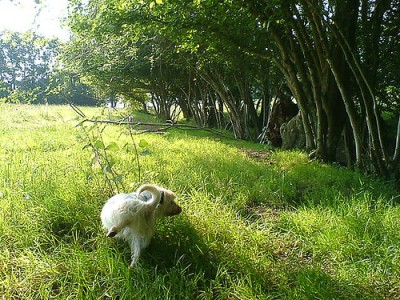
{"x": 131, "y": 218}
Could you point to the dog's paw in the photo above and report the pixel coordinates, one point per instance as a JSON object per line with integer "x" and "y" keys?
{"x": 134, "y": 262}
{"x": 112, "y": 232}
{"x": 133, "y": 265}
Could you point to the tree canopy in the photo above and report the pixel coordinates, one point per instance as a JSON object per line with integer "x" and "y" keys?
{"x": 26, "y": 62}
{"x": 30, "y": 72}
{"x": 212, "y": 59}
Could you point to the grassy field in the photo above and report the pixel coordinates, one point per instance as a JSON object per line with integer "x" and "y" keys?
{"x": 256, "y": 223}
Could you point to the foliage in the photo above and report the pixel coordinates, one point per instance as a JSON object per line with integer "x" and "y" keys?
{"x": 26, "y": 62}
{"x": 215, "y": 57}
{"x": 130, "y": 47}
{"x": 30, "y": 72}
{"x": 256, "y": 223}
{"x": 67, "y": 87}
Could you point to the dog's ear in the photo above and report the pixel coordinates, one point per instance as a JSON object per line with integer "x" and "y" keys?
{"x": 162, "y": 197}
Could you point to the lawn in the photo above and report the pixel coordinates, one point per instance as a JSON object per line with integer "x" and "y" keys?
{"x": 257, "y": 223}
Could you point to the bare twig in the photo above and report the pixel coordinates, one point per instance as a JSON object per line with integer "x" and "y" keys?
{"x": 77, "y": 110}
{"x": 161, "y": 127}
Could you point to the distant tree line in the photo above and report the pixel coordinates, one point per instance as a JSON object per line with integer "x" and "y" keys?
{"x": 222, "y": 63}
{"x": 30, "y": 72}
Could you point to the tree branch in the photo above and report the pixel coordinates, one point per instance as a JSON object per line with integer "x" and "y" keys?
{"x": 160, "y": 127}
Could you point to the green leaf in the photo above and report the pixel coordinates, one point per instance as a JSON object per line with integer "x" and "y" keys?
{"x": 98, "y": 145}
{"x": 118, "y": 178}
{"x": 159, "y": 1}
{"x": 112, "y": 146}
{"x": 111, "y": 162}
{"x": 143, "y": 144}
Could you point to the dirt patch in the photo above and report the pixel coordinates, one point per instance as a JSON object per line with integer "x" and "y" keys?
{"x": 260, "y": 156}
{"x": 261, "y": 216}
{"x": 264, "y": 212}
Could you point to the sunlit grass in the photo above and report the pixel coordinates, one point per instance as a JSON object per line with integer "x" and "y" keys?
{"x": 255, "y": 225}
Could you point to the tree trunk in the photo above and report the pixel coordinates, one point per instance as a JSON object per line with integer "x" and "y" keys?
{"x": 237, "y": 118}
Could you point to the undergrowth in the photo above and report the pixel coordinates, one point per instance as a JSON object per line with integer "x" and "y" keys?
{"x": 256, "y": 223}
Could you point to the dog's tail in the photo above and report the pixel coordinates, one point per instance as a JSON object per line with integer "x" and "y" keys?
{"x": 156, "y": 193}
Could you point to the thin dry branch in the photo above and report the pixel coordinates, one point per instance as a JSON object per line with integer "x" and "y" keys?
{"x": 159, "y": 127}
{"x": 77, "y": 110}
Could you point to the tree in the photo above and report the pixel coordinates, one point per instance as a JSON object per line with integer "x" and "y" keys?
{"x": 30, "y": 72}
{"x": 211, "y": 57}
{"x": 132, "y": 45}
{"x": 317, "y": 49}
{"x": 66, "y": 87}
{"x": 26, "y": 62}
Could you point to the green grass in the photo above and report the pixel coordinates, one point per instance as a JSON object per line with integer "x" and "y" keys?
{"x": 256, "y": 223}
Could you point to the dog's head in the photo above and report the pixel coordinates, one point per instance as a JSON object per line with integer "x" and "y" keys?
{"x": 162, "y": 200}
{"x": 167, "y": 205}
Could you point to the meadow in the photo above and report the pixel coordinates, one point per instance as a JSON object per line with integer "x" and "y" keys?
{"x": 257, "y": 223}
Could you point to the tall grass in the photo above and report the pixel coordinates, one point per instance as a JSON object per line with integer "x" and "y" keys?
{"x": 257, "y": 224}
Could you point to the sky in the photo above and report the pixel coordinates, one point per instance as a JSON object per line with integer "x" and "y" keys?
{"x": 43, "y": 18}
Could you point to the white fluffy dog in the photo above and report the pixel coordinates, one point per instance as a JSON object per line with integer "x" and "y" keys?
{"x": 132, "y": 217}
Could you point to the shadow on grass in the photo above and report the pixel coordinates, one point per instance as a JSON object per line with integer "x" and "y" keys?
{"x": 178, "y": 253}
{"x": 184, "y": 264}
{"x": 181, "y": 261}
{"x": 178, "y": 249}
{"x": 309, "y": 282}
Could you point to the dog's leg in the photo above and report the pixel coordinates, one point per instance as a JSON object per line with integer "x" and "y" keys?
{"x": 136, "y": 249}
{"x": 138, "y": 243}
